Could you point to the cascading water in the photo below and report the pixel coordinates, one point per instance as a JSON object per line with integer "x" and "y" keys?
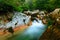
{"x": 16, "y": 19}
{"x": 33, "y": 32}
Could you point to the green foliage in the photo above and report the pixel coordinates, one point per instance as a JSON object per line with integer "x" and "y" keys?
{"x": 48, "y": 5}
{"x": 21, "y": 5}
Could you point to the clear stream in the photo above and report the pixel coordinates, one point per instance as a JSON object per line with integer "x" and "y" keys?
{"x": 34, "y": 32}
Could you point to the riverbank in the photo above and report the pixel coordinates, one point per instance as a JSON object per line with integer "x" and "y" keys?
{"x": 51, "y": 34}
{"x": 33, "y": 32}
{"x": 17, "y": 30}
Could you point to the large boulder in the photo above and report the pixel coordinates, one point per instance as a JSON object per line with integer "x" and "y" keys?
{"x": 55, "y": 14}
{"x": 27, "y": 12}
{"x": 43, "y": 14}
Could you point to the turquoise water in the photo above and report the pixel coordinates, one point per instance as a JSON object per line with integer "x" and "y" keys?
{"x": 34, "y": 32}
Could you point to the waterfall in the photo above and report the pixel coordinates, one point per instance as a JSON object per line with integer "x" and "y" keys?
{"x": 33, "y": 32}
{"x": 16, "y": 19}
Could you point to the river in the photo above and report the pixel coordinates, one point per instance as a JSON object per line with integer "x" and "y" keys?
{"x": 33, "y": 32}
